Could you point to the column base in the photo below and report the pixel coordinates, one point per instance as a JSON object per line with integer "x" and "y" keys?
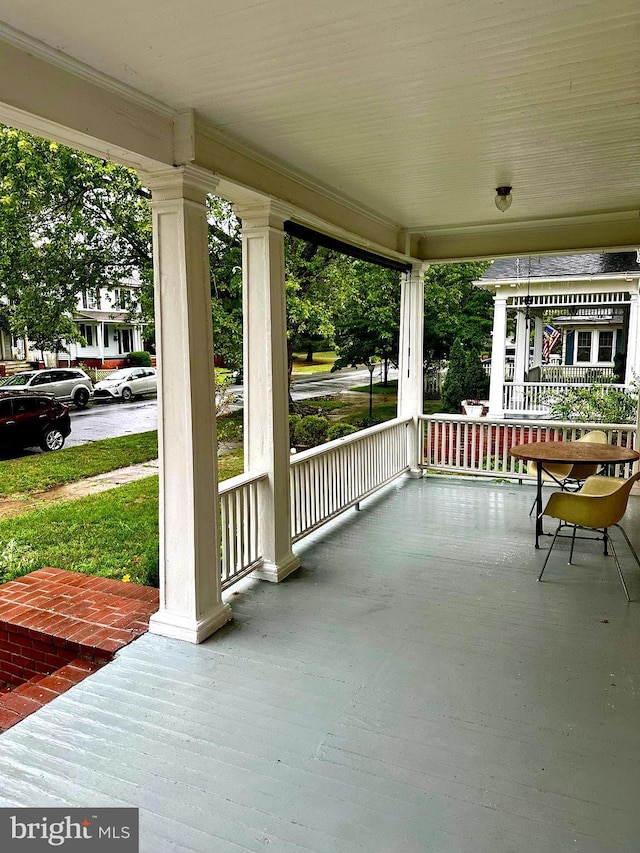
{"x": 276, "y": 572}
{"x": 178, "y": 627}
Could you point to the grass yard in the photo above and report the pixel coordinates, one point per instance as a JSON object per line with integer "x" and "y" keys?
{"x": 113, "y": 534}
{"x": 322, "y": 361}
{"x": 29, "y": 474}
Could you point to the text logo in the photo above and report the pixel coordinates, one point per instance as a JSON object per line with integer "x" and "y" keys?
{"x": 70, "y": 830}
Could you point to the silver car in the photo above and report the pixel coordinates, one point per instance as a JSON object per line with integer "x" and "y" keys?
{"x": 65, "y": 383}
{"x": 127, "y": 383}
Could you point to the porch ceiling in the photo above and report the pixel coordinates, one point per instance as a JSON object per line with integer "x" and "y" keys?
{"x": 409, "y": 113}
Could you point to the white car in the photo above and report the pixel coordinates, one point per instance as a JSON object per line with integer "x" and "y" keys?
{"x": 69, "y": 384}
{"x": 127, "y": 383}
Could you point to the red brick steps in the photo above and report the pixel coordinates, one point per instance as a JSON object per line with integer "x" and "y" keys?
{"x": 57, "y": 627}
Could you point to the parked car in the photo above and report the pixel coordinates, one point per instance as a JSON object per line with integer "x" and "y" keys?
{"x": 127, "y": 383}
{"x": 69, "y": 384}
{"x": 30, "y": 420}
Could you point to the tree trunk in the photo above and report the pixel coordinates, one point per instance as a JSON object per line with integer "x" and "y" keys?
{"x": 309, "y": 353}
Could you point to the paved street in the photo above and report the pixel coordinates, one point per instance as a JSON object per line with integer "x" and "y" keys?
{"x": 107, "y": 420}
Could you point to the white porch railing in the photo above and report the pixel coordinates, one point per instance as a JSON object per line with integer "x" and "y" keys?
{"x": 239, "y": 539}
{"x": 328, "y": 479}
{"x": 535, "y": 396}
{"x": 455, "y": 443}
{"x": 577, "y": 373}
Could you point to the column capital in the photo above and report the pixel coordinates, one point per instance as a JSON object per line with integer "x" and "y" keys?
{"x": 189, "y": 182}
{"x": 419, "y": 268}
{"x": 268, "y": 213}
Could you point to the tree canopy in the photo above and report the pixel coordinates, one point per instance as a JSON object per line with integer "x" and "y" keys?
{"x": 69, "y": 223}
{"x": 367, "y": 317}
{"x": 454, "y": 308}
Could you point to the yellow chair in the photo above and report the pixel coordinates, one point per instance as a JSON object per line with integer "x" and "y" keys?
{"x": 599, "y": 504}
{"x": 568, "y": 474}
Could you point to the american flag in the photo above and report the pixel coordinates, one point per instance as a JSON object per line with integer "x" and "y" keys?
{"x": 549, "y": 339}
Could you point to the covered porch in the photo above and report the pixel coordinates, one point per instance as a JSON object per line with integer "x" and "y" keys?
{"x": 411, "y": 687}
{"x": 405, "y": 684}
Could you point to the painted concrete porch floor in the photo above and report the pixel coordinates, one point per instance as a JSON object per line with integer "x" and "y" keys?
{"x": 411, "y": 688}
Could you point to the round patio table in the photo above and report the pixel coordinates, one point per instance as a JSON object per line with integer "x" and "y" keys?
{"x": 573, "y": 452}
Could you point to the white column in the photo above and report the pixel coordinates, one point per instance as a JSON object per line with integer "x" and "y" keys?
{"x": 190, "y": 597}
{"x": 633, "y": 342}
{"x": 411, "y": 361}
{"x": 498, "y": 347}
{"x": 537, "y": 340}
{"x": 101, "y": 327}
{"x": 521, "y": 363}
{"x": 266, "y": 390}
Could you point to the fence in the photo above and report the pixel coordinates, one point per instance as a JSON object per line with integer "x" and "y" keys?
{"x": 239, "y": 533}
{"x": 455, "y": 443}
{"x": 328, "y": 479}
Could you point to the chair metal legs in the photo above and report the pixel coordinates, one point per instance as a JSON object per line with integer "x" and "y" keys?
{"x": 607, "y": 541}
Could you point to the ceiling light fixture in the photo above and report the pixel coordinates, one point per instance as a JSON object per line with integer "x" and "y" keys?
{"x": 503, "y": 198}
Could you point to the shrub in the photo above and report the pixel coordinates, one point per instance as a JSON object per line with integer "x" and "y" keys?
{"x": 466, "y": 378}
{"x": 311, "y": 430}
{"x": 340, "y": 429}
{"x": 139, "y": 358}
{"x": 596, "y": 404}
{"x": 365, "y": 423}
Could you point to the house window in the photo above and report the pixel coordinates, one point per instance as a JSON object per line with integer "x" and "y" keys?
{"x": 605, "y": 346}
{"x": 583, "y": 350}
{"x": 105, "y": 336}
{"x": 89, "y": 300}
{"x": 87, "y": 333}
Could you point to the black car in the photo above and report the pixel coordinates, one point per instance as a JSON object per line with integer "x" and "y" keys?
{"x": 30, "y": 420}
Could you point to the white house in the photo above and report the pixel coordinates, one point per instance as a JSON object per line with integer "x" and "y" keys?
{"x": 590, "y": 301}
{"x": 104, "y": 321}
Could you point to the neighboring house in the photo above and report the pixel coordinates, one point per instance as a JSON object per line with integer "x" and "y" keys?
{"x": 103, "y": 321}
{"x": 589, "y": 303}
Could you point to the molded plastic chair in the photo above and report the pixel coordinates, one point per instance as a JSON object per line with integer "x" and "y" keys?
{"x": 599, "y": 504}
{"x": 569, "y": 474}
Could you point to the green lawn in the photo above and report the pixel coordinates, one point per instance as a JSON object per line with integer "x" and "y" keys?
{"x": 36, "y": 473}
{"x": 111, "y": 534}
{"x": 322, "y": 361}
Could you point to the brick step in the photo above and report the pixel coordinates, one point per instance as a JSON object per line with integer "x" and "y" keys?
{"x": 23, "y": 700}
{"x": 56, "y": 627}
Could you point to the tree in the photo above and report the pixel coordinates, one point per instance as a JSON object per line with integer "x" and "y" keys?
{"x": 309, "y": 294}
{"x": 454, "y": 308}
{"x": 68, "y": 222}
{"x": 225, "y": 263}
{"x": 466, "y": 378}
{"x": 367, "y": 317}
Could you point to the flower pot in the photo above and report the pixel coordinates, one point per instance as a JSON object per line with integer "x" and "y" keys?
{"x": 472, "y": 410}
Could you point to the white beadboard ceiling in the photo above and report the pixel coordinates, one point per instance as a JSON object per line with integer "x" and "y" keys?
{"x": 415, "y": 110}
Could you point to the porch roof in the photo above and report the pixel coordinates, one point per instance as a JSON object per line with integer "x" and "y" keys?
{"x": 411, "y": 687}
{"x": 388, "y": 124}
